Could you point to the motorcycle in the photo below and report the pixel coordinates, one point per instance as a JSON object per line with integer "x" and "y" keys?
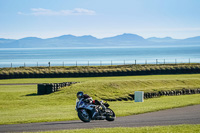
{"x": 86, "y": 110}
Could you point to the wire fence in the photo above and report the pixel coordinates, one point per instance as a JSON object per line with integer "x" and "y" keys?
{"x": 98, "y": 63}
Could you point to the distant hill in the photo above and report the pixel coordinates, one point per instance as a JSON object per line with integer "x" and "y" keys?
{"x": 165, "y": 39}
{"x": 90, "y": 41}
{"x": 124, "y": 39}
{"x": 2, "y": 40}
{"x": 192, "y": 40}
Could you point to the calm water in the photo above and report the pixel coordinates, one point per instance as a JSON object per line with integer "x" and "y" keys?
{"x": 98, "y": 56}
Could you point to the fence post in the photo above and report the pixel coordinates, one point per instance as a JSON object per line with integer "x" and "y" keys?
{"x": 88, "y": 63}
{"x": 11, "y": 65}
{"x": 189, "y": 60}
{"x": 146, "y": 62}
{"x": 37, "y": 64}
{"x": 175, "y": 61}
{"x": 124, "y": 62}
{"x": 135, "y": 62}
{"x": 164, "y": 61}
{"x": 76, "y": 63}
{"x": 49, "y": 64}
{"x": 100, "y": 63}
{"x": 156, "y": 61}
{"x": 111, "y": 62}
{"x": 24, "y": 64}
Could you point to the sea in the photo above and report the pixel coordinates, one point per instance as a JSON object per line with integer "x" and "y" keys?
{"x": 98, "y": 56}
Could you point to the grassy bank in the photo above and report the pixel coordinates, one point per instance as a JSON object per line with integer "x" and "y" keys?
{"x": 20, "y": 104}
{"x": 112, "y": 78}
{"x": 155, "y": 129}
{"x": 121, "y": 86}
{"x": 94, "y": 71}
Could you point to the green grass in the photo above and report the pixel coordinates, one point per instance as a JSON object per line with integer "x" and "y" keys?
{"x": 156, "y": 129}
{"x": 109, "y": 89}
{"x": 154, "y": 104}
{"x": 19, "y": 104}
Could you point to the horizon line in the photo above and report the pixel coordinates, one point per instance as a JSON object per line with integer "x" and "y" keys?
{"x": 94, "y": 36}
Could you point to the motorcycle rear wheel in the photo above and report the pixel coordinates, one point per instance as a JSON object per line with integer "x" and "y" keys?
{"x": 110, "y": 115}
{"x": 84, "y": 115}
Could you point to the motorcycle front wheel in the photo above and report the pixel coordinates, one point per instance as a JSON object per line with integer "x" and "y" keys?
{"x": 84, "y": 115}
{"x": 110, "y": 115}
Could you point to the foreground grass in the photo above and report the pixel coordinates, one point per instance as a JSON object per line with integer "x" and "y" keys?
{"x": 19, "y": 104}
{"x": 155, "y": 129}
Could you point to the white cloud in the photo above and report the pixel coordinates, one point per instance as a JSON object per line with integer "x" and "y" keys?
{"x": 48, "y": 12}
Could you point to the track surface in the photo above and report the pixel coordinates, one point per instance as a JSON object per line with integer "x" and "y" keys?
{"x": 185, "y": 115}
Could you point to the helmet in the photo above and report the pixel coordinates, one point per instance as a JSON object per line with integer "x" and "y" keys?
{"x": 79, "y": 94}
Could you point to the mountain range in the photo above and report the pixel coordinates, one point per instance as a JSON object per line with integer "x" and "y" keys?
{"x": 90, "y": 41}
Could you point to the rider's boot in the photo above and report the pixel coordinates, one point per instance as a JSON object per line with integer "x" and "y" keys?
{"x": 94, "y": 115}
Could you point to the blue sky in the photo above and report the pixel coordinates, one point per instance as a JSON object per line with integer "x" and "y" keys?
{"x": 99, "y": 18}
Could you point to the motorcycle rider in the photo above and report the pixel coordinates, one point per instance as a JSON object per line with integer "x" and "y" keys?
{"x": 89, "y": 100}
{"x": 86, "y": 97}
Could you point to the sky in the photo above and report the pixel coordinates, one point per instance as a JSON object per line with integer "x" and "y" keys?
{"x": 100, "y": 18}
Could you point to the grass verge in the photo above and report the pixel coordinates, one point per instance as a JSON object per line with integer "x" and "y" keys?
{"x": 156, "y": 129}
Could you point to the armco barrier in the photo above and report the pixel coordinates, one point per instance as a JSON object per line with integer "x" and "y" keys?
{"x": 47, "y": 88}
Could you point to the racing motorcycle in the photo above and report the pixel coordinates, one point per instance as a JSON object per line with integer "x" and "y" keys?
{"x": 86, "y": 110}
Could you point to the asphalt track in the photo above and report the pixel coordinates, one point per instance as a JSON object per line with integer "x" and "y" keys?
{"x": 184, "y": 115}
